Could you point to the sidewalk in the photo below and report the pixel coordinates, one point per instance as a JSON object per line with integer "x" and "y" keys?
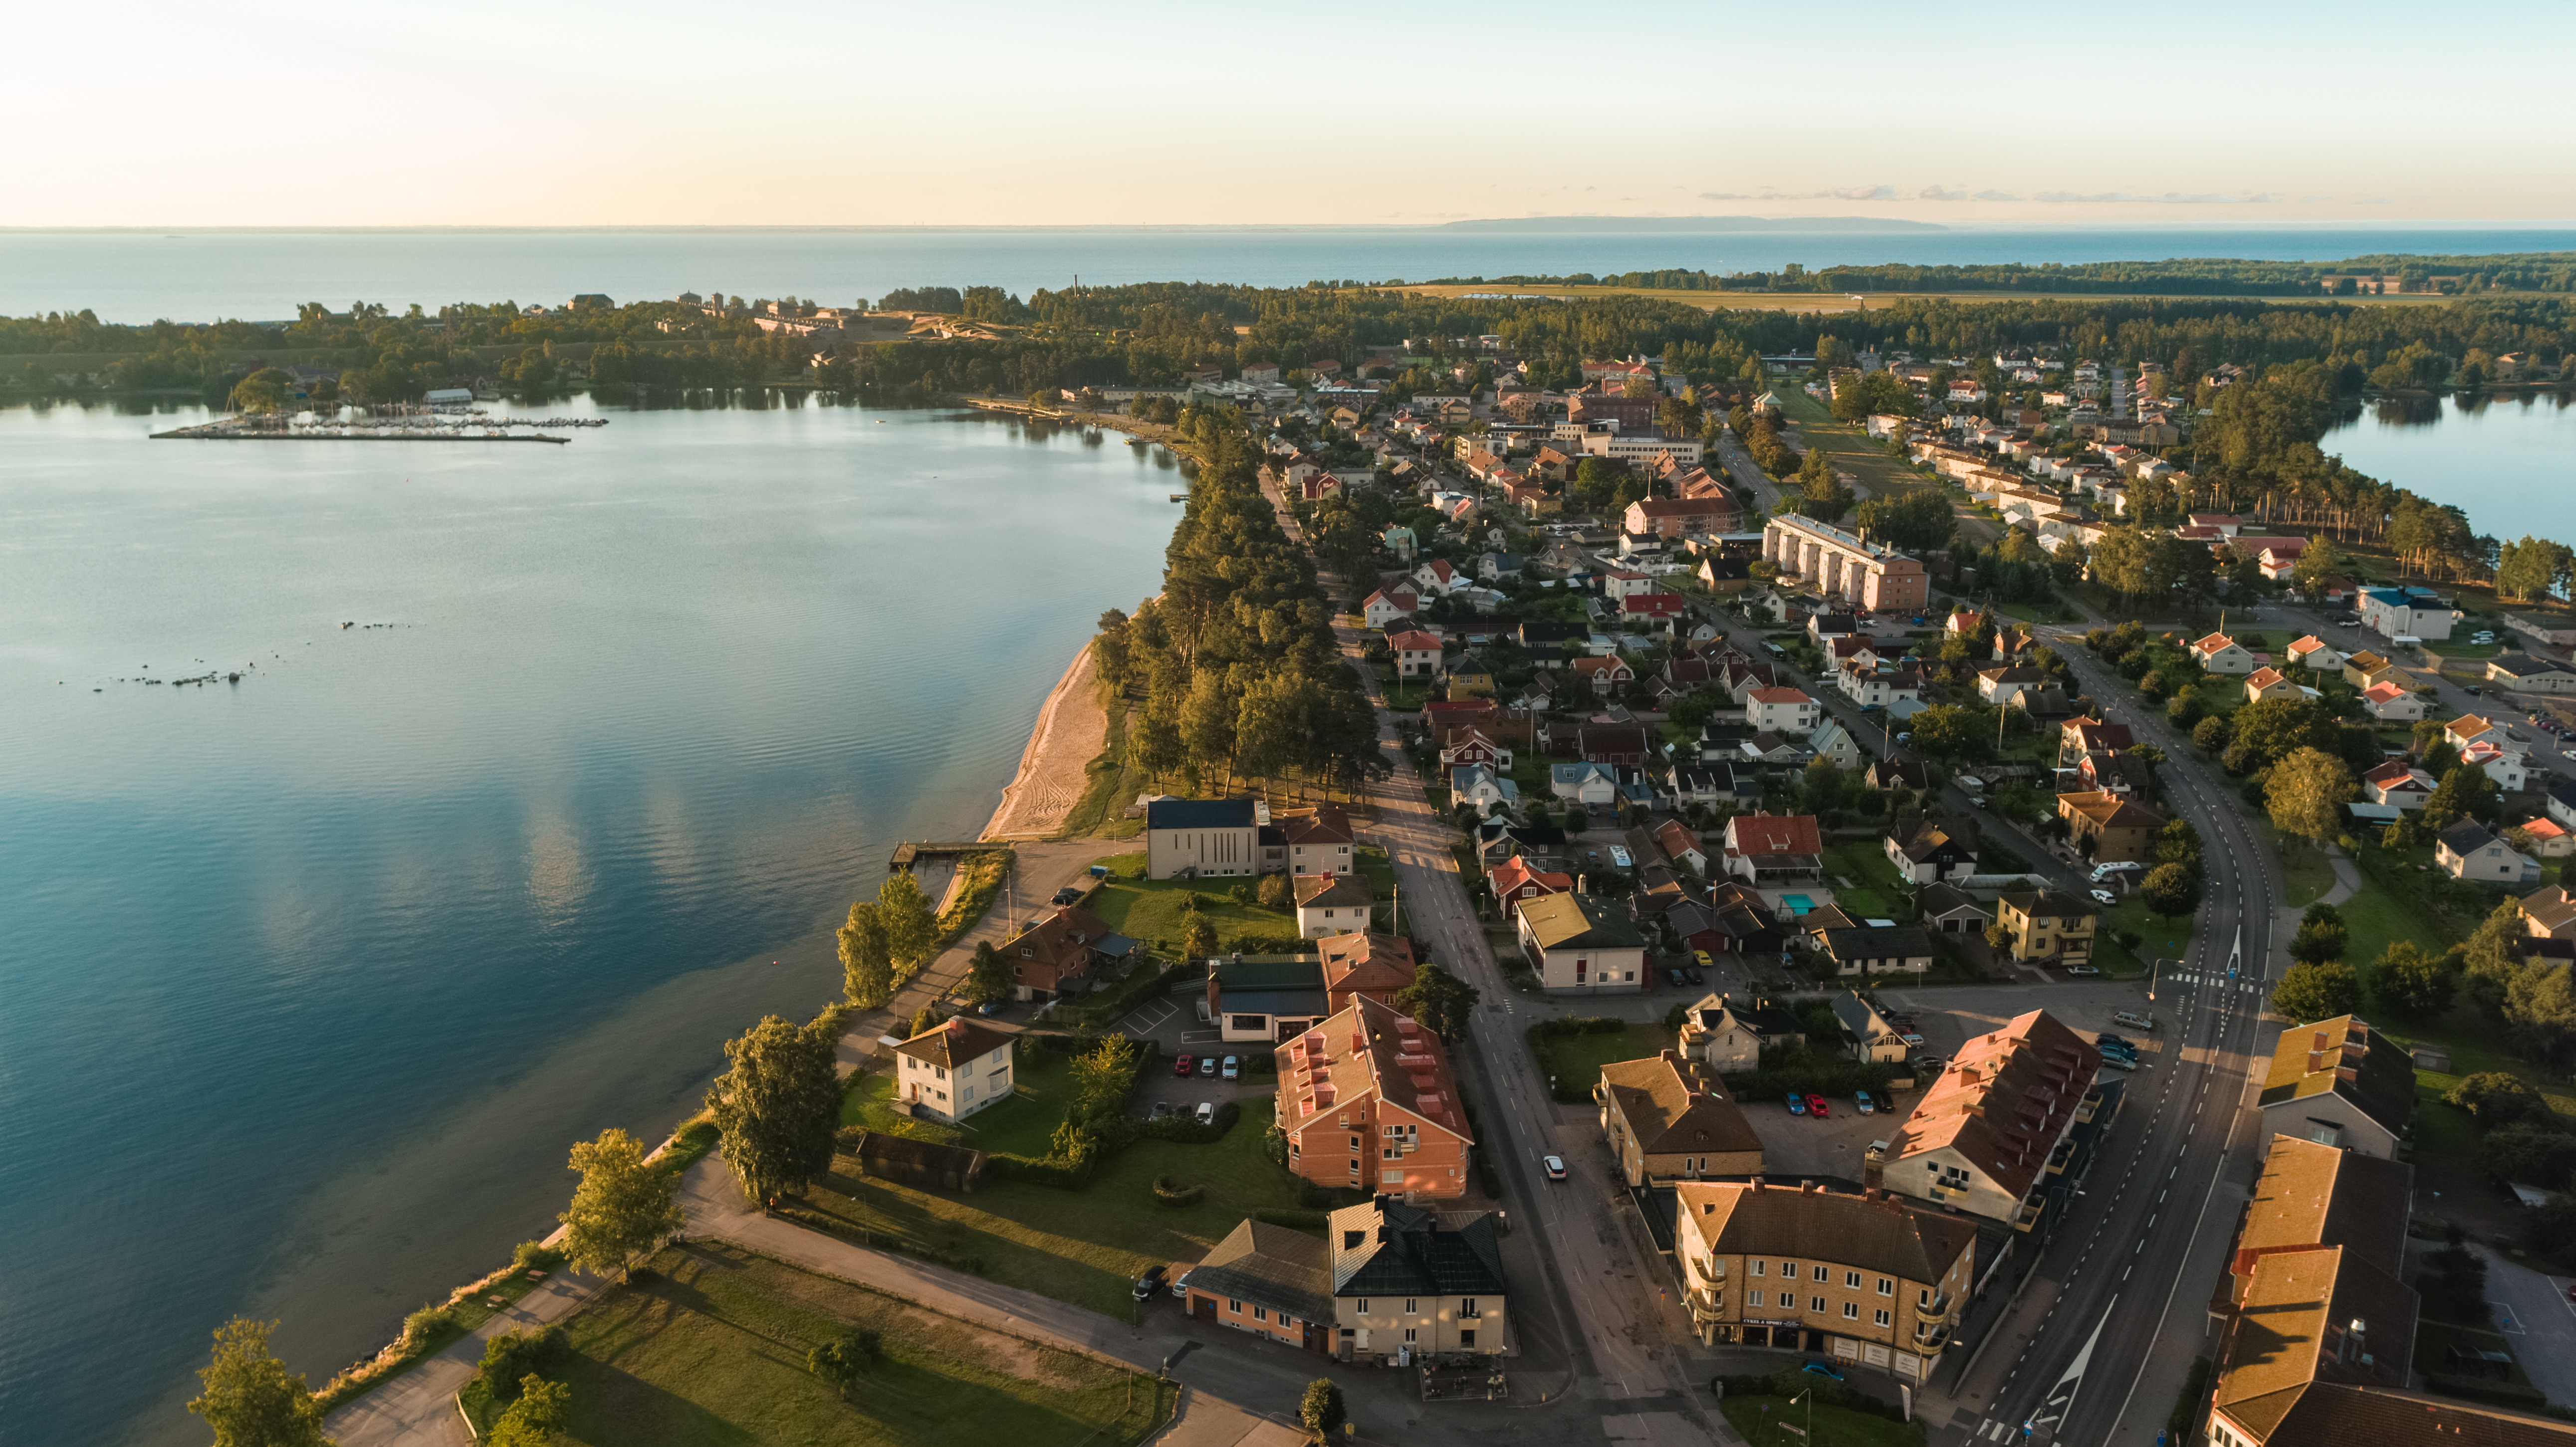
{"x": 418, "y": 1407}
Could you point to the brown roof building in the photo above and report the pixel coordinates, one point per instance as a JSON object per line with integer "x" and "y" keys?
{"x": 1367, "y": 1101}
{"x": 1987, "y": 1133}
{"x": 2340, "y": 1083}
{"x": 1867, "y": 1280}
{"x": 1668, "y": 1119}
{"x": 1365, "y": 964}
{"x": 2119, "y": 829}
{"x": 1062, "y": 953}
{"x": 1332, "y": 904}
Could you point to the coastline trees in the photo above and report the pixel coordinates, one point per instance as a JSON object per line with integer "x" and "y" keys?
{"x": 778, "y": 1105}
{"x": 623, "y": 1205}
{"x": 867, "y": 964}
{"x": 249, "y": 1398}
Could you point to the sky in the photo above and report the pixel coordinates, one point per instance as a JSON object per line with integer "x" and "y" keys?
{"x": 780, "y": 112}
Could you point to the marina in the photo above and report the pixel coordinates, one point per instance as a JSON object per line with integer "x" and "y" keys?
{"x": 402, "y": 427}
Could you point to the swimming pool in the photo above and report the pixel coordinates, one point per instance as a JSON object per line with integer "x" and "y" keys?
{"x": 1798, "y": 903}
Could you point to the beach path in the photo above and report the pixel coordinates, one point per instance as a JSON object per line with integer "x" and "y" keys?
{"x": 1071, "y": 731}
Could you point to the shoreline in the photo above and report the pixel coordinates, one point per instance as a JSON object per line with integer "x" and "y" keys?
{"x": 1052, "y": 771}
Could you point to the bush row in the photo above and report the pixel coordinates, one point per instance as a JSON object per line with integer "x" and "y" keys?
{"x": 1791, "y": 1381}
{"x": 1187, "y": 1130}
{"x": 813, "y": 1220}
{"x": 1814, "y": 1073}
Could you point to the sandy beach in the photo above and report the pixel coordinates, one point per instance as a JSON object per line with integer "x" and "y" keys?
{"x": 1071, "y": 731}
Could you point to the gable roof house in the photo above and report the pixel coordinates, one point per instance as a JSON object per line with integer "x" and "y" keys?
{"x": 2315, "y": 654}
{"x": 1764, "y": 849}
{"x": 2397, "y": 784}
{"x": 1365, "y": 964}
{"x": 1201, "y": 837}
{"x": 2269, "y": 682}
{"x": 953, "y": 1070}
{"x": 1724, "y": 1035}
{"x": 2118, "y": 828}
{"x": 2340, "y": 1083}
{"x": 2470, "y": 850}
{"x": 1333, "y": 903}
{"x": 1984, "y": 1137}
{"x": 1061, "y": 953}
{"x": 1886, "y": 1281}
{"x": 1868, "y": 1035}
{"x": 2390, "y": 703}
{"x": 1930, "y": 854}
{"x": 1272, "y": 1281}
{"x": 2366, "y": 668}
{"x": 1878, "y": 950}
{"x": 1267, "y": 999}
{"x": 2219, "y": 653}
{"x": 1666, "y": 1118}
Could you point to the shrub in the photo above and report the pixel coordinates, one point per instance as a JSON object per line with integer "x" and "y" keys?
{"x": 513, "y": 1356}
{"x": 1172, "y": 1193}
{"x": 1187, "y": 1130}
{"x": 1790, "y": 1381}
{"x": 425, "y": 1323}
{"x": 2494, "y": 1097}
{"x": 1063, "y": 1175}
{"x": 536, "y": 1256}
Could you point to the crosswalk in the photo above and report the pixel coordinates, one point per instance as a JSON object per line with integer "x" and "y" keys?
{"x": 2217, "y": 979}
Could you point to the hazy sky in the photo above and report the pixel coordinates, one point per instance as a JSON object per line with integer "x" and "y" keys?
{"x": 772, "y": 112}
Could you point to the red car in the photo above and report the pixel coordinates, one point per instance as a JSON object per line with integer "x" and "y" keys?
{"x": 1816, "y": 1106}
{"x": 1184, "y": 1066}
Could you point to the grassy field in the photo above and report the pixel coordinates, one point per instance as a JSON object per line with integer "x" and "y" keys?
{"x": 710, "y": 1347}
{"x": 1874, "y": 890}
{"x": 1151, "y": 909}
{"x": 1758, "y": 1419}
{"x": 1572, "y": 1058}
{"x": 1024, "y": 1125}
{"x": 1109, "y": 783}
{"x": 1084, "y": 1246}
{"x": 1850, "y": 446}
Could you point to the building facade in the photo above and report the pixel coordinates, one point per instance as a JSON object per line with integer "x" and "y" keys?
{"x": 1842, "y": 565}
{"x": 1201, "y": 837}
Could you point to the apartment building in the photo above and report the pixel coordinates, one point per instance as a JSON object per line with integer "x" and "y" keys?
{"x": 1843, "y": 565}
{"x": 1367, "y": 1101}
{"x": 1667, "y": 1118}
{"x": 1992, "y": 1129}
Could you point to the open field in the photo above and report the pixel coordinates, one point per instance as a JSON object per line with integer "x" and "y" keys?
{"x": 1084, "y": 1246}
{"x": 1573, "y": 1062}
{"x": 1151, "y": 909}
{"x": 709, "y": 1347}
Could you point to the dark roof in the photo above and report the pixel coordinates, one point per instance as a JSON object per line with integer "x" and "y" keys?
{"x": 2467, "y": 837}
{"x": 1199, "y": 814}
{"x": 1937, "y": 900}
{"x": 1272, "y": 987}
{"x": 1388, "y": 1248}
{"x": 1877, "y": 943}
{"x": 2523, "y": 665}
{"x": 954, "y": 1043}
{"x": 2379, "y": 1077}
{"x": 2339, "y": 1414}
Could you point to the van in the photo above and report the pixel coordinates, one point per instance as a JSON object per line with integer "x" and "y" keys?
{"x": 2102, "y": 872}
{"x": 2135, "y": 1021}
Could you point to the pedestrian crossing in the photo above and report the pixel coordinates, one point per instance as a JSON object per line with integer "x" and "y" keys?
{"x": 2217, "y": 979}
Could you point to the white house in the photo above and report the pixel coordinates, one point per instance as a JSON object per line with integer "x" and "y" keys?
{"x": 1781, "y": 710}
{"x": 2316, "y": 654}
{"x": 2407, "y": 613}
{"x": 1582, "y": 945}
{"x": 954, "y": 1070}
{"x": 2391, "y": 704}
{"x": 1333, "y": 904}
{"x": 2221, "y": 654}
{"x": 1201, "y": 837}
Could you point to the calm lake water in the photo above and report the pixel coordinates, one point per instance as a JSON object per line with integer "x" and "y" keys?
{"x": 2509, "y": 459}
{"x": 198, "y": 276}
{"x": 308, "y": 983}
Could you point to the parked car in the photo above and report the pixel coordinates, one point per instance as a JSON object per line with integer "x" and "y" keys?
{"x": 2084, "y": 969}
{"x": 1233, "y": 1067}
{"x": 2103, "y": 896}
{"x": 1207, "y": 1065}
{"x": 1148, "y": 1284}
{"x": 1700, "y": 957}
{"x": 1797, "y": 1103}
{"x": 1823, "y": 1369}
{"x": 1816, "y": 1106}
{"x": 1162, "y": 1108}
{"x": 2107, "y": 1038}
{"x": 2471, "y": 689}
{"x": 1068, "y": 895}
{"x": 1860, "y": 1098}
{"x": 1673, "y": 977}
{"x": 1207, "y": 1112}
{"x": 1554, "y": 1166}
{"x": 1184, "y": 1065}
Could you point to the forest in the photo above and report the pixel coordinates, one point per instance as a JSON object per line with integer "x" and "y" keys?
{"x": 2195, "y": 276}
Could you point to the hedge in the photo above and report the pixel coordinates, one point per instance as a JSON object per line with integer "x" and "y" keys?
{"x": 1172, "y": 1193}
{"x": 1575, "y": 1025}
{"x": 1007, "y": 1167}
{"x": 1832, "y": 1077}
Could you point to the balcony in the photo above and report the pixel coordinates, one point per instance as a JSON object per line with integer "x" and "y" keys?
{"x": 1703, "y": 1305}
{"x": 1931, "y": 1338}
{"x": 1945, "y": 1191}
{"x": 1937, "y": 1314}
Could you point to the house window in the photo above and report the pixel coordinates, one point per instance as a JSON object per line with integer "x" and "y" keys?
{"x": 1362, "y": 1305}
{"x": 1821, "y": 1274}
{"x": 1408, "y": 1334}
{"x": 1355, "y": 1167}
{"x": 1851, "y": 1311}
{"x": 1260, "y": 1313}
{"x": 1880, "y": 1315}
{"x": 1788, "y": 1271}
{"x": 1815, "y": 1303}
{"x": 1753, "y": 1298}
{"x": 1760, "y": 1266}
{"x": 1411, "y": 1308}
{"x": 1886, "y": 1287}
{"x": 1852, "y": 1280}
{"x": 1234, "y": 1306}
{"x": 1467, "y": 1307}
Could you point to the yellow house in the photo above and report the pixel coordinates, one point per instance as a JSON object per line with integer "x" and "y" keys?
{"x": 1470, "y": 682}
{"x": 2046, "y": 925}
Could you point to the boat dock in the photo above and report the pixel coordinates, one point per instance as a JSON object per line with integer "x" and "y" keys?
{"x": 907, "y": 855}
{"x": 406, "y": 426}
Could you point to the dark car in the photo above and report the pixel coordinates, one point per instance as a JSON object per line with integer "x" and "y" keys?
{"x": 1148, "y": 1284}
{"x": 1068, "y": 895}
{"x": 1822, "y": 1369}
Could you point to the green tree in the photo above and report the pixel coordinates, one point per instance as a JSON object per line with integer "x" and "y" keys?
{"x": 1948, "y": 732}
{"x": 909, "y": 922}
{"x": 622, "y": 1206}
{"x": 2171, "y": 890}
{"x": 1321, "y": 1409}
{"x": 535, "y": 1418}
{"x": 2306, "y": 795}
{"x": 2272, "y": 729}
{"x": 1440, "y": 1000}
{"x": 777, "y": 1106}
{"x": 2212, "y": 734}
{"x": 1275, "y": 892}
{"x": 2530, "y": 1152}
{"x": 991, "y": 975}
{"x": 2179, "y": 843}
{"x": 2540, "y": 1011}
{"x": 1198, "y": 941}
{"x": 1103, "y": 1077}
{"x": 2321, "y": 935}
{"x": 2412, "y": 982}
{"x": 2531, "y": 569}
{"x": 515, "y": 1358}
{"x": 867, "y": 967}
{"x": 1917, "y": 519}
{"x": 2317, "y": 562}
{"x": 2308, "y": 993}
{"x": 842, "y": 1360}
{"x": 2494, "y": 1097}
{"x": 2464, "y": 793}
{"x": 248, "y": 1397}
{"x": 262, "y": 391}
{"x": 2497, "y": 948}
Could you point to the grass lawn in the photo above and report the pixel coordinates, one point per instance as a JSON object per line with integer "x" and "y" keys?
{"x": 1024, "y": 1125}
{"x": 710, "y": 1348}
{"x": 2306, "y": 872}
{"x": 1150, "y": 909}
{"x": 1575, "y": 1058}
{"x": 1758, "y": 1419}
{"x": 1084, "y": 1246}
{"x": 1875, "y": 889}
{"x": 1109, "y": 782}
{"x": 1405, "y": 696}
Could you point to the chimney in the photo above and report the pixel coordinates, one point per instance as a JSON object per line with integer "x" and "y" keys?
{"x": 1757, "y": 1185}
{"x": 1806, "y": 1188}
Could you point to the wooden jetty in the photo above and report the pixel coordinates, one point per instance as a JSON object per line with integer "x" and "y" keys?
{"x": 906, "y": 855}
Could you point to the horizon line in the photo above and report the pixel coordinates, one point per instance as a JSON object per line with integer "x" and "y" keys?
{"x": 1838, "y": 223}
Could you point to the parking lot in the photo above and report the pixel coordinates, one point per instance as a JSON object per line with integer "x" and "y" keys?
{"x": 1798, "y": 1146}
{"x": 1173, "y": 1023}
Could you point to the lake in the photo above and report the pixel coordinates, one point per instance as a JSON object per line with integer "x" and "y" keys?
{"x": 310, "y": 981}
{"x": 131, "y": 276}
{"x": 2508, "y": 459}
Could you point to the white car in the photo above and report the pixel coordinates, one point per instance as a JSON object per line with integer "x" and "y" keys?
{"x": 2104, "y": 896}
{"x": 1555, "y": 1167}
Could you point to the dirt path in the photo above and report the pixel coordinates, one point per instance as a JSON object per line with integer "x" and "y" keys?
{"x": 1071, "y": 731}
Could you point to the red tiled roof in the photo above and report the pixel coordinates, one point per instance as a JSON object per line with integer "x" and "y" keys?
{"x": 1762, "y": 834}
